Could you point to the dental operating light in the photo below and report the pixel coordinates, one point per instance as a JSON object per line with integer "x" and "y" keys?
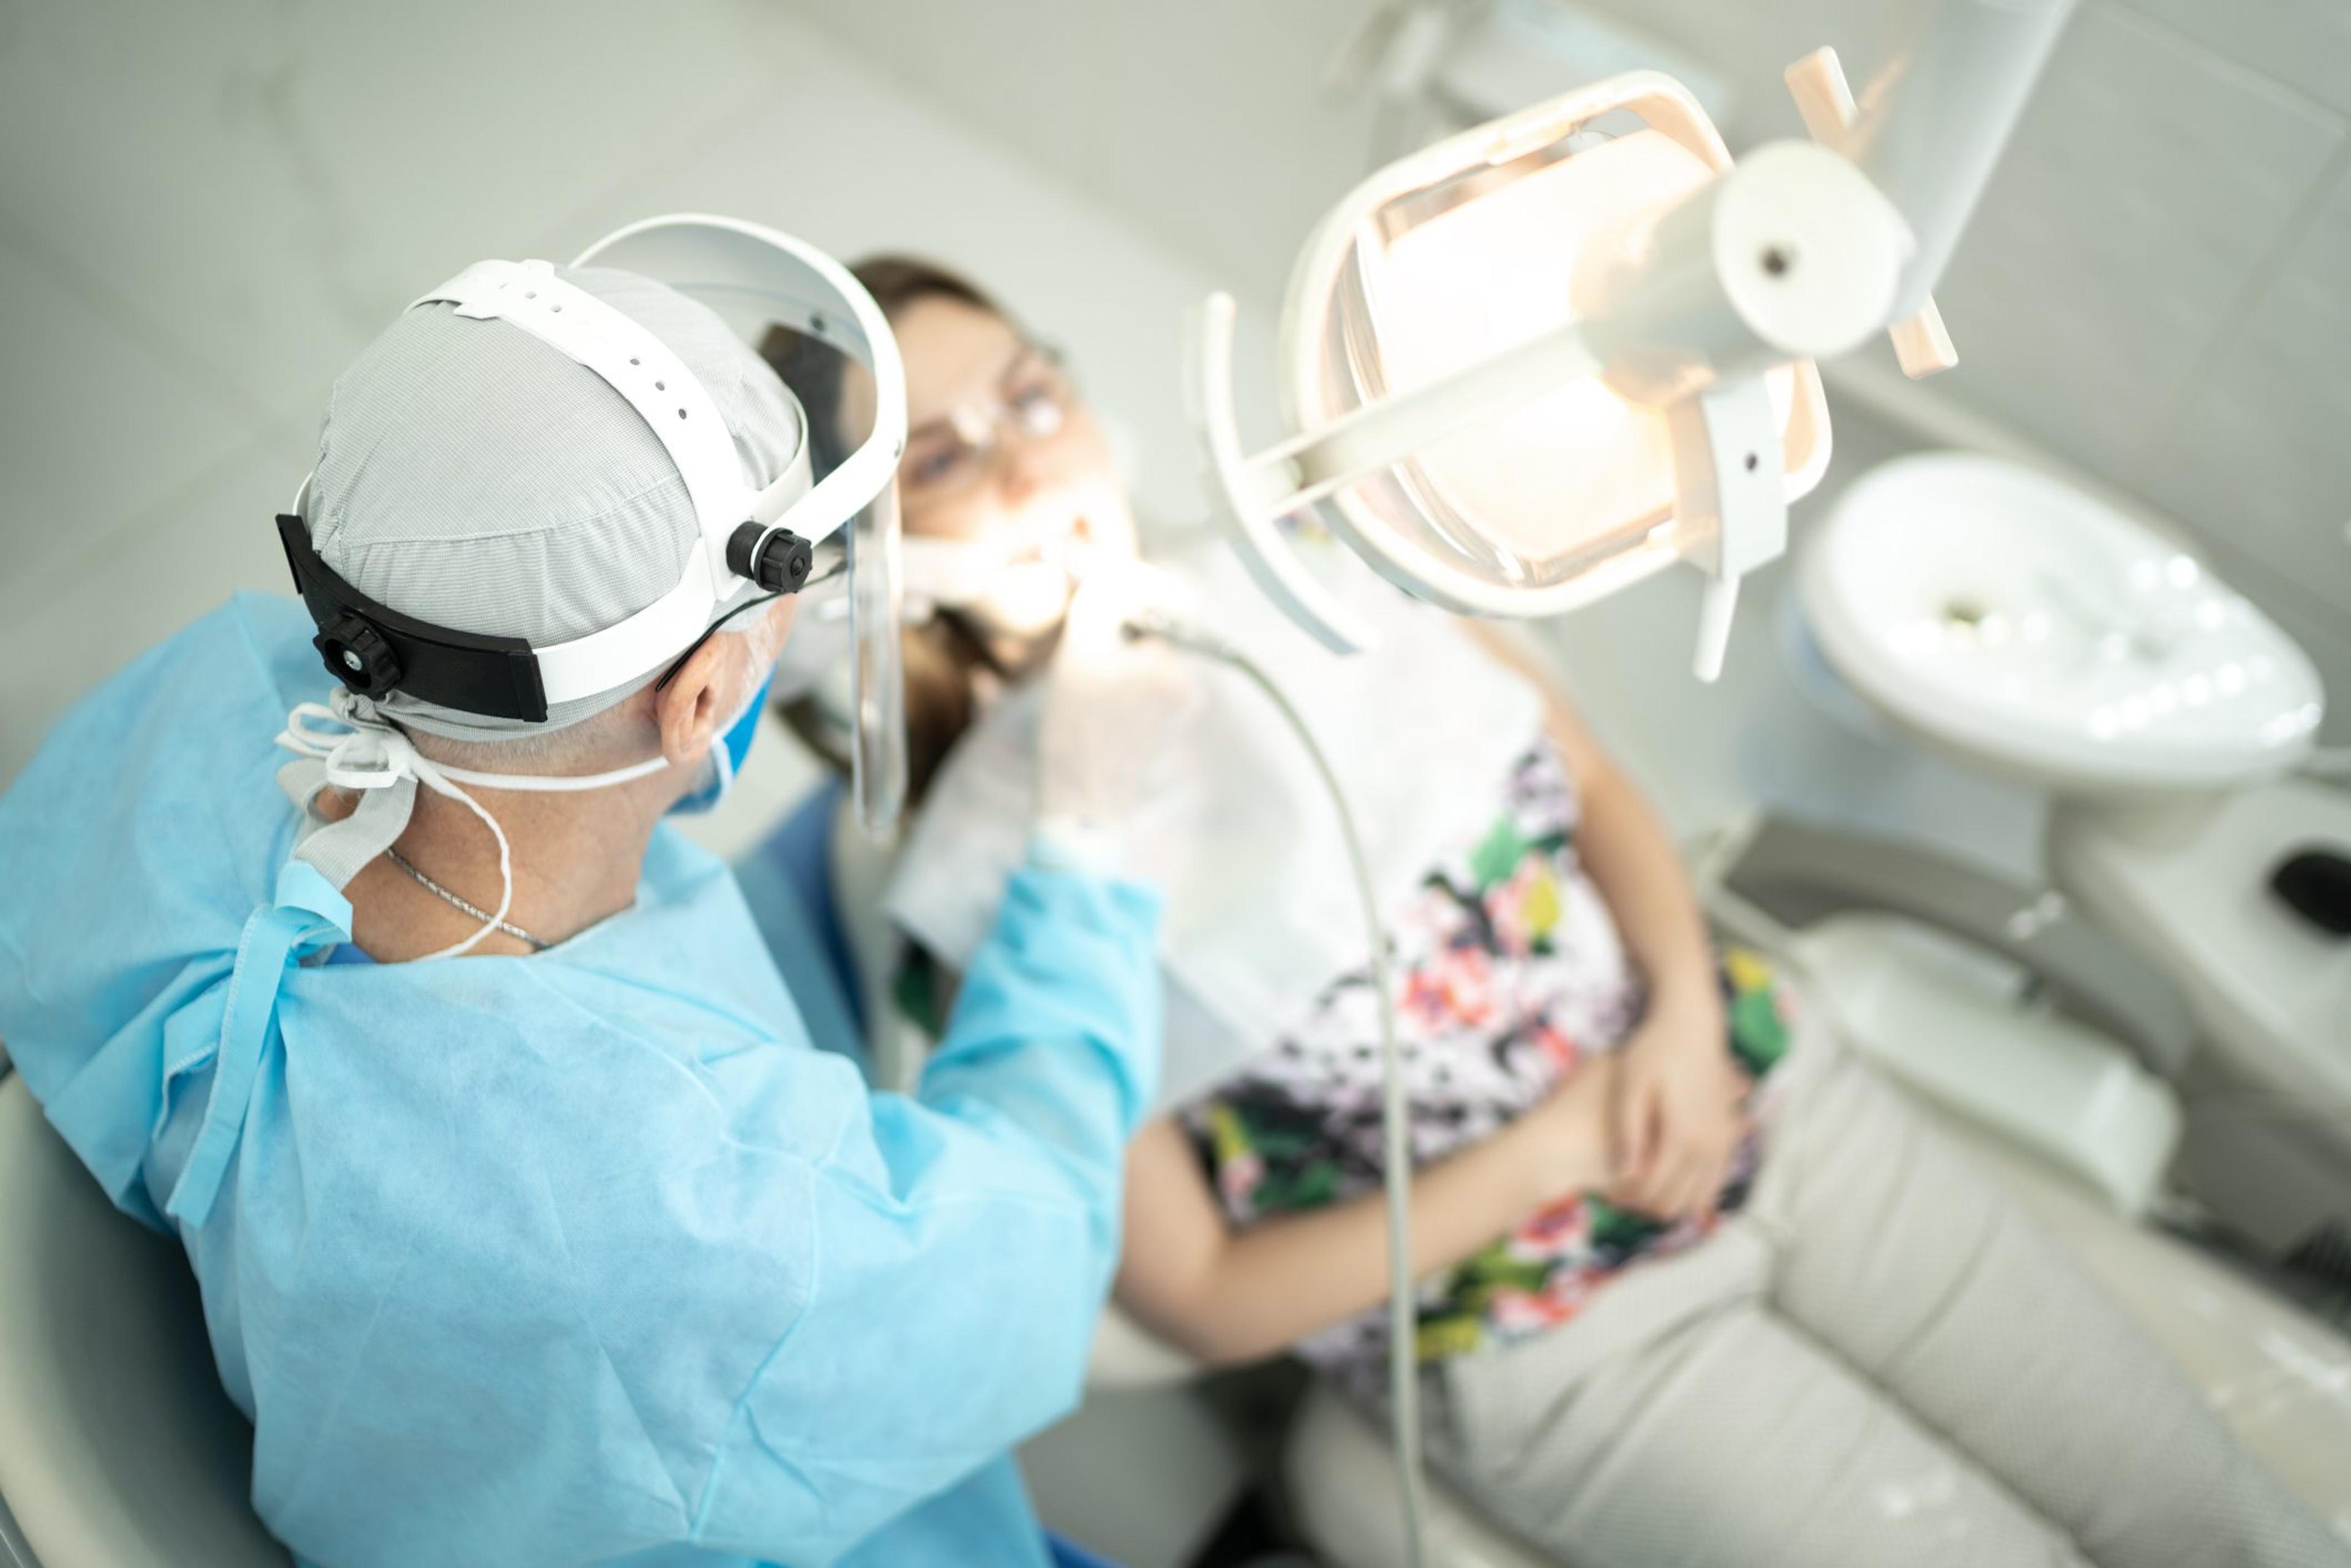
{"x": 1534, "y": 364}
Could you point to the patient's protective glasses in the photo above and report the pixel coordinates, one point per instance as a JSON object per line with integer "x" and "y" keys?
{"x": 948, "y": 454}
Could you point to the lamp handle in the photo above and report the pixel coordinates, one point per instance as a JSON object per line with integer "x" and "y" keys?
{"x": 1250, "y": 519}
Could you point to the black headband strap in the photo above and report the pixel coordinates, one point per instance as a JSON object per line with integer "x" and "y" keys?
{"x": 375, "y": 649}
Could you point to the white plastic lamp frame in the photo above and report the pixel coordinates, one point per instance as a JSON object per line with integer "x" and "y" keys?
{"x": 1670, "y": 315}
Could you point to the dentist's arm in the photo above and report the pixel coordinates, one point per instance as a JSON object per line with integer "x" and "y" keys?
{"x": 918, "y": 1296}
{"x": 954, "y": 1245}
{"x": 1072, "y": 963}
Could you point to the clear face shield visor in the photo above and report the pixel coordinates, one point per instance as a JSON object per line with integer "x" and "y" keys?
{"x": 757, "y": 279}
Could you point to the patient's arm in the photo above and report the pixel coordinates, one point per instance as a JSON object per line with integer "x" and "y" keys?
{"x": 1622, "y": 843}
{"x": 1677, "y": 1122}
{"x": 1224, "y": 1295}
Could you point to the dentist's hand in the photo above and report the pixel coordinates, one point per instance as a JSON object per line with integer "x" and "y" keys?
{"x": 1112, "y": 702}
{"x": 1678, "y": 1109}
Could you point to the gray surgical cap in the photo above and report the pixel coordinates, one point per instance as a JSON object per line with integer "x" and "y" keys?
{"x": 475, "y": 477}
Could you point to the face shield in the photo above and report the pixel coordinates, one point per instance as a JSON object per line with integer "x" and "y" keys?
{"x": 756, "y": 279}
{"x": 836, "y": 529}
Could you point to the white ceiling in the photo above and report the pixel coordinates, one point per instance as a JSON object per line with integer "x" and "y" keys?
{"x": 1204, "y": 121}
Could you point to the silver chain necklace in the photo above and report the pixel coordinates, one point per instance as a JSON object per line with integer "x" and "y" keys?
{"x": 517, "y": 932}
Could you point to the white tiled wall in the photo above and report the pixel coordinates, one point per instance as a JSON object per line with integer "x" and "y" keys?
{"x": 2147, "y": 193}
{"x": 2300, "y": 44}
{"x": 2257, "y": 445}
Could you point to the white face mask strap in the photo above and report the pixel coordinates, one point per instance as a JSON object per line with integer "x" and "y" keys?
{"x": 360, "y": 755}
{"x": 549, "y": 783}
{"x": 430, "y": 778}
{"x": 367, "y": 755}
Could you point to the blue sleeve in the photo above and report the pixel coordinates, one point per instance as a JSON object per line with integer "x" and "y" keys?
{"x": 964, "y": 1236}
{"x": 1063, "y": 997}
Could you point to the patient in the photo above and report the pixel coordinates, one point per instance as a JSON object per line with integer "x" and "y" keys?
{"x": 1697, "y": 1288}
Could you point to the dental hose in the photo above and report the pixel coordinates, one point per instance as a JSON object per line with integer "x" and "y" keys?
{"x": 1404, "y": 1372}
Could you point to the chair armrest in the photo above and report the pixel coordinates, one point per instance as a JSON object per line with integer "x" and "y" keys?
{"x": 1798, "y": 872}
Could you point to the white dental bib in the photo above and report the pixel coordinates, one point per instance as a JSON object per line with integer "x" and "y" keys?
{"x": 1261, "y": 912}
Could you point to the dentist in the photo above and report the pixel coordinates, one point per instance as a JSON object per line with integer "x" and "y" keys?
{"x": 531, "y": 1226}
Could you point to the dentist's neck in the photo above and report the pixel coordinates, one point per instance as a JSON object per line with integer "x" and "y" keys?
{"x": 575, "y": 858}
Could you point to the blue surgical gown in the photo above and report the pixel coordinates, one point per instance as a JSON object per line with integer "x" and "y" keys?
{"x": 588, "y": 1257}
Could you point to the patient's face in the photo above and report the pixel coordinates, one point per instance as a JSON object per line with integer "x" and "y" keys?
{"x": 1002, "y": 453}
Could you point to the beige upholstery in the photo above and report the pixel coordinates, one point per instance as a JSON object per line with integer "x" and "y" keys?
{"x": 118, "y": 1448}
{"x": 1341, "y": 1480}
{"x": 2281, "y": 1379}
{"x": 2278, "y": 1377}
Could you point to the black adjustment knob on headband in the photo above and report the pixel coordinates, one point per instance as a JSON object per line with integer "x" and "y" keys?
{"x": 357, "y": 654}
{"x": 778, "y": 559}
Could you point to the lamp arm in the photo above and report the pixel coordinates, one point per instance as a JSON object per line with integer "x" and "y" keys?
{"x": 1390, "y": 430}
{"x": 1932, "y": 122}
{"x": 1249, "y": 495}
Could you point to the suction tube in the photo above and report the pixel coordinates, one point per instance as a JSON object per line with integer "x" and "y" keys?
{"x": 1395, "y": 1146}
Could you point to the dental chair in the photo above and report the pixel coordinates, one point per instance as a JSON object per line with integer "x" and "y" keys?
{"x": 118, "y": 1448}
{"x": 2074, "y": 1121}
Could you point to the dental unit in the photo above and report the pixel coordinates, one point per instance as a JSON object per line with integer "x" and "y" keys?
{"x": 2004, "y": 620}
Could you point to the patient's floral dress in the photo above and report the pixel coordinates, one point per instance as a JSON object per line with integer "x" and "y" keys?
{"x": 1509, "y": 973}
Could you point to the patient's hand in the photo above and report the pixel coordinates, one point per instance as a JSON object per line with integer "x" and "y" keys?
{"x": 1677, "y": 1114}
{"x": 1571, "y": 1145}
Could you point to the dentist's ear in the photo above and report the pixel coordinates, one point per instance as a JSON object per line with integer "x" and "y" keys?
{"x": 689, "y": 706}
{"x": 709, "y": 689}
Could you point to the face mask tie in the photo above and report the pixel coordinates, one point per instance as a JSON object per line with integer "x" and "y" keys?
{"x": 365, "y": 753}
